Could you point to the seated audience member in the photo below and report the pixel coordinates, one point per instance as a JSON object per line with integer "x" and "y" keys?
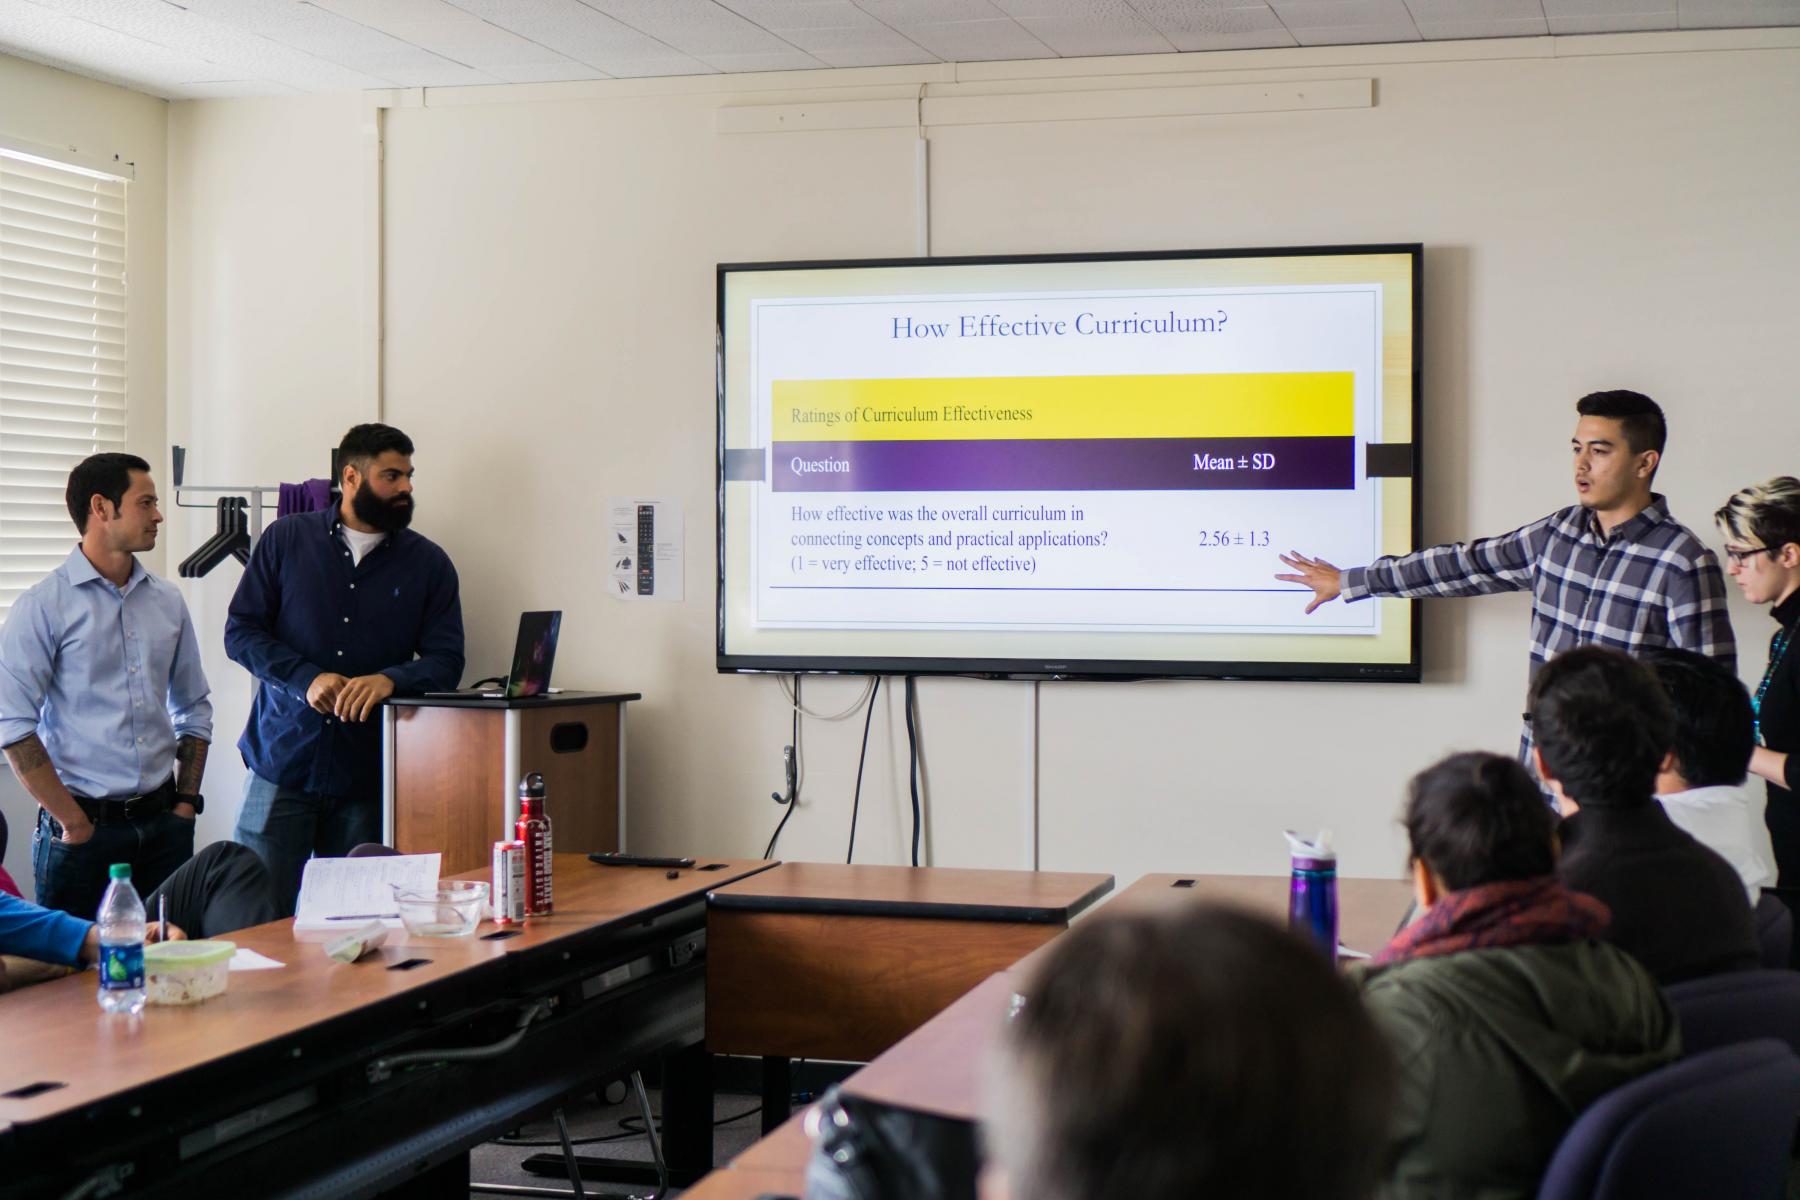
{"x": 1185, "y": 1052}
{"x": 1701, "y": 783}
{"x": 1507, "y": 1014}
{"x": 222, "y": 888}
{"x": 1603, "y": 728}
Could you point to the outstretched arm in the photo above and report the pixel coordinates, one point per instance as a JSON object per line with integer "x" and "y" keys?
{"x": 1497, "y": 564}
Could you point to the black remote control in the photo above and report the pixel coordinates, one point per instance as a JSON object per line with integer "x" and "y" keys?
{"x": 639, "y": 860}
{"x": 646, "y": 550}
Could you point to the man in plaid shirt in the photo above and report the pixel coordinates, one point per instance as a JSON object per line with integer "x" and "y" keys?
{"x": 1614, "y": 569}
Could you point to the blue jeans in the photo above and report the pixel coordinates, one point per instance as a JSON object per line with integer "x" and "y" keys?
{"x": 286, "y": 826}
{"x": 73, "y": 878}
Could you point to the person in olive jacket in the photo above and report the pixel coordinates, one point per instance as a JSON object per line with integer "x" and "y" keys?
{"x": 1507, "y": 1012}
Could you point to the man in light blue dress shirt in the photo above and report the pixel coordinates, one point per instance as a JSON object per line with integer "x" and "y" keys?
{"x": 103, "y": 704}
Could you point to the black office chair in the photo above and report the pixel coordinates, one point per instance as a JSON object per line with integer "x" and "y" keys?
{"x": 1774, "y": 931}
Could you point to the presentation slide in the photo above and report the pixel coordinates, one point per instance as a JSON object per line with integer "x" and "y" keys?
{"x": 1065, "y": 467}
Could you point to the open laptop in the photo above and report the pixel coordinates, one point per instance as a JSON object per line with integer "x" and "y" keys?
{"x": 533, "y": 656}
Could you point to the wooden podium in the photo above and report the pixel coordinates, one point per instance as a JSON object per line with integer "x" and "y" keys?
{"x": 451, "y": 769}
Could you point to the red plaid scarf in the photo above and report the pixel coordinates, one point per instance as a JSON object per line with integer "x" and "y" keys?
{"x": 1520, "y": 912}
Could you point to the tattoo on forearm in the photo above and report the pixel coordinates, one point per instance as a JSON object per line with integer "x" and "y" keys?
{"x": 27, "y": 755}
{"x": 190, "y": 765}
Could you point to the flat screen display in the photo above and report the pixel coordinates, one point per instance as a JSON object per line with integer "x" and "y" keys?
{"x": 1079, "y": 466}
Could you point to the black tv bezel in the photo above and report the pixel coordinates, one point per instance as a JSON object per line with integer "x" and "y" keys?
{"x": 1096, "y": 670}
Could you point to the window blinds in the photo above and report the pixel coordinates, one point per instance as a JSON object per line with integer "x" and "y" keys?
{"x": 62, "y": 351}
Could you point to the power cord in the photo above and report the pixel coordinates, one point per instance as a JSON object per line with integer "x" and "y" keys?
{"x": 912, "y": 747}
{"x": 856, "y": 796}
{"x": 630, "y": 1127}
{"x": 793, "y": 696}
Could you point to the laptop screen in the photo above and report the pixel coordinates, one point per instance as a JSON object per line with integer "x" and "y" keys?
{"x": 534, "y": 655}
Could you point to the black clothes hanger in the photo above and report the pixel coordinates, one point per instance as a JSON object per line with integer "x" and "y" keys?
{"x": 231, "y": 541}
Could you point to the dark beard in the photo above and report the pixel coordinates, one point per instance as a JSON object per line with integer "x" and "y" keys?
{"x": 384, "y": 516}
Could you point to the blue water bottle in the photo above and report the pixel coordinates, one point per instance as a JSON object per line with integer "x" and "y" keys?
{"x": 1312, "y": 890}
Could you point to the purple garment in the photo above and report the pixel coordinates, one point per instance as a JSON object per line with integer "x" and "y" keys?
{"x": 311, "y": 496}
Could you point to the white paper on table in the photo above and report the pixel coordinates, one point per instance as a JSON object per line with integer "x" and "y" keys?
{"x": 250, "y": 960}
{"x": 337, "y": 893}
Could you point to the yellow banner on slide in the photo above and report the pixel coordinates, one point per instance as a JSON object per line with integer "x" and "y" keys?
{"x": 1268, "y": 404}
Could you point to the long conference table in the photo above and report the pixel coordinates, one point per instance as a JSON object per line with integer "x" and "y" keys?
{"x": 937, "y": 1067}
{"x": 325, "y": 1079}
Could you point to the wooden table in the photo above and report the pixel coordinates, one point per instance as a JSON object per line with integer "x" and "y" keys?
{"x": 189, "y": 1097}
{"x": 1369, "y": 910}
{"x": 824, "y": 961}
{"x": 827, "y": 961}
{"x": 938, "y": 1066}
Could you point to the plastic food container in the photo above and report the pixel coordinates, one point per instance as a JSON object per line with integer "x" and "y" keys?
{"x": 186, "y": 972}
{"x": 451, "y": 909}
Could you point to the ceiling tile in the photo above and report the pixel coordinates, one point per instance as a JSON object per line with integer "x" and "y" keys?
{"x": 1439, "y": 12}
{"x": 447, "y": 31}
{"x": 565, "y": 70}
{"x": 1493, "y": 27}
{"x": 931, "y": 12}
{"x": 1255, "y": 39}
{"x": 779, "y": 15}
{"x": 1590, "y": 8}
{"x": 234, "y": 89}
{"x": 695, "y": 27}
{"x": 978, "y": 41}
{"x": 878, "y": 58}
{"x": 774, "y": 60}
{"x": 875, "y": 37}
{"x": 1733, "y": 14}
{"x": 1083, "y": 37}
{"x": 1176, "y": 19}
{"x": 668, "y": 66}
{"x": 96, "y": 52}
{"x": 574, "y": 29}
{"x": 234, "y": 52}
{"x": 1354, "y": 35}
{"x": 1613, "y": 23}
{"x": 1342, "y": 14}
{"x": 316, "y": 35}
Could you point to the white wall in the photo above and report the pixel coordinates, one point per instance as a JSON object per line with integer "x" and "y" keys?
{"x": 42, "y": 107}
{"x": 267, "y": 337}
{"x": 1598, "y": 213}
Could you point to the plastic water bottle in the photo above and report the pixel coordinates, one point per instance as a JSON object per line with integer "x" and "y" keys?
{"x": 1312, "y": 890}
{"x": 122, "y": 924}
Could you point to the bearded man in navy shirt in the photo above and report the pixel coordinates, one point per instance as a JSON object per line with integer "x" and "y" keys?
{"x": 337, "y": 611}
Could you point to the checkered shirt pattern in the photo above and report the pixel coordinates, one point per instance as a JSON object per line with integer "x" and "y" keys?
{"x": 1649, "y": 583}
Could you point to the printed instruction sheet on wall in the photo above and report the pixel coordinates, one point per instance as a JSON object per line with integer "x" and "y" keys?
{"x": 645, "y": 548}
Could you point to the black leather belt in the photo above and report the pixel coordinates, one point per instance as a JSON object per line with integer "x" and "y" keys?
{"x": 129, "y": 808}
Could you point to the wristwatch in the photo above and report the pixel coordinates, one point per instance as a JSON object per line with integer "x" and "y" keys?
{"x": 197, "y": 800}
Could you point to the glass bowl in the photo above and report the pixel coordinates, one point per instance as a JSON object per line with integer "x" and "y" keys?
{"x": 451, "y": 909}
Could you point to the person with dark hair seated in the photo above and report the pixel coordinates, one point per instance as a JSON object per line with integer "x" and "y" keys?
{"x": 1604, "y": 729}
{"x": 223, "y": 887}
{"x": 1181, "y": 1052}
{"x": 1701, "y": 783}
{"x": 1508, "y": 1014}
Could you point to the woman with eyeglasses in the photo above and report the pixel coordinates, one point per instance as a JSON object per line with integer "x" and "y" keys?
{"x": 1761, "y": 525}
